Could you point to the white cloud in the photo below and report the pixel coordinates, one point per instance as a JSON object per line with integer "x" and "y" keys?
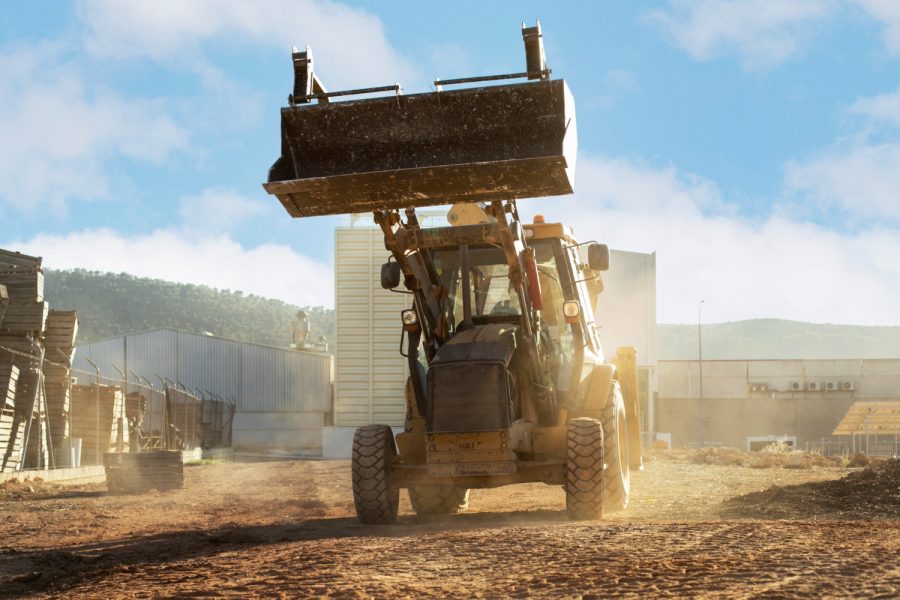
{"x": 858, "y": 175}
{"x": 350, "y": 45}
{"x": 762, "y": 32}
{"x": 269, "y": 270}
{"x": 888, "y": 12}
{"x": 882, "y": 108}
{"x": 860, "y": 178}
{"x": 59, "y": 131}
{"x": 220, "y": 210}
{"x": 744, "y": 268}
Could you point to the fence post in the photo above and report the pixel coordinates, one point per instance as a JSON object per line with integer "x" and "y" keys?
{"x": 97, "y": 399}
{"x": 120, "y": 428}
{"x": 164, "y": 429}
{"x": 152, "y": 403}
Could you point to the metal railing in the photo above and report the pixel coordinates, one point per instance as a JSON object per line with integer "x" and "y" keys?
{"x": 871, "y": 445}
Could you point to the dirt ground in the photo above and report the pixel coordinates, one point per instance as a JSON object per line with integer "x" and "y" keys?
{"x": 288, "y": 529}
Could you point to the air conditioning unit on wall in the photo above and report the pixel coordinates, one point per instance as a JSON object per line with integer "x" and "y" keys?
{"x": 832, "y": 386}
{"x": 847, "y": 386}
{"x": 814, "y": 386}
{"x": 796, "y": 386}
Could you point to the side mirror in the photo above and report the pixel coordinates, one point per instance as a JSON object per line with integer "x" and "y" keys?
{"x": 598, "y": 257}
{"x": 390, "y": 275}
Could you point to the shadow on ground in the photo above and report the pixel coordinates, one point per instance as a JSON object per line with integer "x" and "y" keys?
{"x": 51, "y": 569}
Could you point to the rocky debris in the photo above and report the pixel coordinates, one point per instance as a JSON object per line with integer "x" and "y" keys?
{"x": 733, "y": 457}
{"x": 870, "y": 493}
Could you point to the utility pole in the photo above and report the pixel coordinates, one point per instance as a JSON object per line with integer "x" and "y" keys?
{"x": 700, "y": 362}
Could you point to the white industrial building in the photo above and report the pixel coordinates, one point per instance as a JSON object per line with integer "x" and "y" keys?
{"x": 745, "y": 403}
{"x": 370, "y": 373}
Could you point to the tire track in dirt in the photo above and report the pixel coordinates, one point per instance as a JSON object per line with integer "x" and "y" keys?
{"x": 560, "y": 560}
{"x": 287, "y": 528}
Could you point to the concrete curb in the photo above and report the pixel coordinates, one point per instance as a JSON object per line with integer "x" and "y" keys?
{"x": 96, "y": 473}
{"x": 89, "y": 474}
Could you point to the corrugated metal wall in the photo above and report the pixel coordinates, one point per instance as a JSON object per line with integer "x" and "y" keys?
{"x": 370, "y": 374}
{"x": 259, "y": 378}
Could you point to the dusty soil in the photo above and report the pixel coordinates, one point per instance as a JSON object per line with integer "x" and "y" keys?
{"x": 287, "y": 529}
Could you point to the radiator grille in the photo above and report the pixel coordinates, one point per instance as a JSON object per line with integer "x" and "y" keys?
{"x": 468, "y": 397}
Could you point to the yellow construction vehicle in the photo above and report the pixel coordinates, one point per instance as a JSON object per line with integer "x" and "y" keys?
{"x": 507, "y": 379}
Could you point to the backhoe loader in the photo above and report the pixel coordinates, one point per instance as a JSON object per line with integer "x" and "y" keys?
{"x": 507, "y": 379}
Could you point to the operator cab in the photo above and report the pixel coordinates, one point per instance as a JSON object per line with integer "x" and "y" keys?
{"x": 478, "y": 276}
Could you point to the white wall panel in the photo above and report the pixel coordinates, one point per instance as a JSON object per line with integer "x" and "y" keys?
{"x": 370, "y": 373}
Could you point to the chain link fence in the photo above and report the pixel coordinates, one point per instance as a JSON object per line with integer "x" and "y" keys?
{"x": 74, "y": 417}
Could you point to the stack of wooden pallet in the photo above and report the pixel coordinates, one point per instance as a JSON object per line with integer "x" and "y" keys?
{"x": 29, "y": 339}
{"x": 21, "y": 331}
{"x": 59, "y": 345}
{"x": 98, "y": 418}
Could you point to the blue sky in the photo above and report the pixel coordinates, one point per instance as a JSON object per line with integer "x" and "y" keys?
{"x": 754, "y": 145}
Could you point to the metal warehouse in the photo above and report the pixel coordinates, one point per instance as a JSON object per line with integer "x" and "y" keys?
{"x": 283, "y": 396}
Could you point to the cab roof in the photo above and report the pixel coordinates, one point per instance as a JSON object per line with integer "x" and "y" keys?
{"x": 546, "y": 231}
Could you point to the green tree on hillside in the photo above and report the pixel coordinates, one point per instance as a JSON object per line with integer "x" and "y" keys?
{"x": 109, "y": 305}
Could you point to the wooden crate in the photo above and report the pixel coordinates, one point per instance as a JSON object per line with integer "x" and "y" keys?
{"x": 23, "y": 285}
{"x": 17, "y": 259}
{"x": 60, "y": 333}
{"x": 99, "y": 430}
{"x": 25, "y": 318}
{"x": 37, "y": 450}
{"x": 4, "y": 300}
{"x": 12, "y": 427}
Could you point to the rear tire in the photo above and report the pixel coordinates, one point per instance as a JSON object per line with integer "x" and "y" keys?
{"x": 584, "y": 469}
{"x": 376, "y": 499}
{"x": 433, "y": 500}
{"x": 617, "y": 475}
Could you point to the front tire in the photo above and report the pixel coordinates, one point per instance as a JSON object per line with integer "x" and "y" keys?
{"x": 376, "y": 499}
{"x": 584, "y": 469}
{"x": 617, "y": 476}
{"x": 434, "y": 500}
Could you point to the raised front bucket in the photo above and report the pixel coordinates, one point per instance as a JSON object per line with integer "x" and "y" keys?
{"x": 467, "y": 145}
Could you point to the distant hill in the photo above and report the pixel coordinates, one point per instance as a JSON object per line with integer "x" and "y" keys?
{"x": 776, "y": 338}
{"x": 114, "y": 304}
{"x": 109, "y": 305}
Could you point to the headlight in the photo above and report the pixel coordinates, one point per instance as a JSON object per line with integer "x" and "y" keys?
{"x": 409, "y": 317}
{"x": 571, "y": 310}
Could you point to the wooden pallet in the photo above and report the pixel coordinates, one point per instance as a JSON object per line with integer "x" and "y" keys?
{"x": 11, "y": 426}
{"x": 130, "y": 472}
{"x": 4, "y": 300}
